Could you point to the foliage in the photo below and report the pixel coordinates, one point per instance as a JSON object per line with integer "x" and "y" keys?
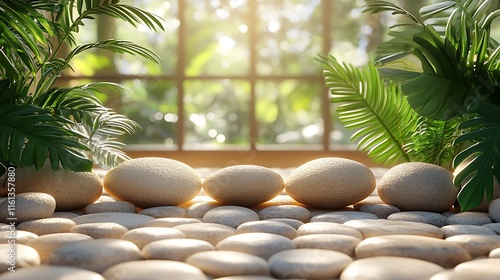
{"x": 447, "y": 65}
{"x": 40, "y": 121}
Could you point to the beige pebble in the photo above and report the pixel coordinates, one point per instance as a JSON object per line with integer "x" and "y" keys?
{"x": 199, "y": 209}
{"x": 484, "y": 269}
{"x": 452, "y": 230}
{"x": 259, "y": 244}
{"x": 285, "y": 211}
{"x": 477, "y": 245}
{"x": 291, "y": 222}
{"x": 330, "y": 183}
{"x": 435, "y": 219}
{"x": 20, "y": 236}
{"x": 371, "y": 228}
{"x": 429, "y": 249}
{"x": 469, "y": 218}
{"x": 27, "y": 206}
{"x": 232, "y": 216}
{"x": 334, "y": 242}
{"x": 390, "y": 268}
{"x": 494, "y": 210}
{"x": 175, "y": 249}
{"x": 308, "y": 264}
{"x": 171, "y": 222}
{"x": 16, "y": 256}
{"x": 62, "y": 214}
{"x": 145, "y": 235}
{"x": 96, "y": 255}
{"x": 164, "y": 212}
{"x": 495, "y": 253}
{"x": 246, "y": 277}
{"x": 100, "y": 230}
{"x": 268, "y": 227}
{"x": 161, "y": 181}
{"x": 341, "y": 217}
{"x": 45, "y": 272}
{"x": 153, "y": 270}
{"x": 325, "y": 227}
{"x": 382, "y": 211}
{"x": 212, "y": 233}
{"x": 110, "y": 206}
{"x": 226, "y": 263}
{"x": 128, "y": 220}
{"x": 369, "y": 200}
{"x": 47, "y": 225}
{"x": 45, "y": 245}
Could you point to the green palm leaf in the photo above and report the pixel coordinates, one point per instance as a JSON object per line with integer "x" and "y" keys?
{"x": 384, "y": 119}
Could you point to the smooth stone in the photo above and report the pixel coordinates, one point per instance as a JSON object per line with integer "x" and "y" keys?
{"x": 328, "y": 228}
{"x": 390, "y": 268}
{"x": 452, "y": 230}
{"x": 382, "y": 211}
{"x": 18, "y": 256}
{"x": 495, "y": 253}
{"x": 67, "y": 215}
{"x": 164, "y": 212}
{"x": 212, "y": 233}
{"x": 469, "y": 218}
{"x": 96, "y": 255}
{"x": 20, "y": 236}
{"x": 153, "y": 270}
{"x": 308, "y": 264}
{"x": 431, "y": 218}
{"x": 246, "y": 277}
{"x": 28, "y": 206}
{"x": 47, "y": 225}
{"x": 128, "y": 220}
{"x": 100, "y": 230}
{"x": 260, "y": 244}
{"x": 268, "y": 227}
{"x": 334, "y": 242}
{"x": 232, "y": 216}
{"x": 46, "y": 245}
{"x": 477, "y": 245}
{"x": 484, "y": 269}
{"x": 285, "y": 212}
{"x": 372, "y": 228}
{"x": 228, "y": 263}
{"x": 418, "y": 186}
{"x": 161, "y": 181}
{"x": 429, "y": 249}
{"x": 71, "y": 190}
{"x": 171, "y": 222}
{"x": 494, "y": 210}
{"x": 341, "y": 217}
{"x": 369, "y": 200}
{"x": 243, "y": 185}
{"x": 4, "y": 226}
{"x": 142, "y": 236}
{"x": 493, "y": 226}
{"x": 175, "y": 249}
{"x": 199, "y": 209}
{"x": 45, "y": 272}
{"x": 330, "y": 182}
{"x": 291, "y": 222}
{"x": 110, "y": 206}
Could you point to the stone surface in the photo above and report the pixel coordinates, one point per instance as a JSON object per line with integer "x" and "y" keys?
{"x": 285, "y": 211}
{"x": 199, "y": 209}
{"x": 28, "y": 206}
{"x": 325, "y": 227}
{"x": 493, "y": 226}
{"x": 232, "y": 216}
{"x": 175, "y": 249}
{"x": 308, "y": 264}
{"x": 418, "y": 186}
{"x": 110, "y": 206}
{"x": 477, "y": 245}
{"x": 171, "y": 222}
{"x": 371, "y": 228}
{"x": 225, "y": 263}
{"x": 20, "y": 236}
{"x": 469, "y": 218}
{"x": 153, "y": 270}
{"x": 431, "y": 218}
{"x": 291, "y": 222}
{"x": 341, "y": 217}
{"x": 243, "y": 185}
{"x": 334, "y": 242}
{"x": 330, "y": 183}
{"x": 495, "y": 253}
{"x": 17, "y": 256}
{"x": 452, "y": 230}
{"x": 210, "y": 232}
{"x": 165, "y": 212}
{"x": 96, "y": 255}
{"x": 260, "y": 244}
{"x": 47, "y": 225}
{"x": 62, "y": 214}
{"x": 494, "y": 210}
{"x": 45, "y": 272}
{"x": 100, "y": 230}
{"x": 268, "y": 227}
{"x": 430, "y": 249}
{"x": 128, "y": 220}
{"x": 484, "y": 269}
{"x": 45, "y": 245}
{"x": 382, "y": 211}
{"x": 161, "y": 181}
{"x": 71, "y": 190}
{"x": 390, "y": 268}
{"x": 142, "y": 236}
{"x": 245, "y": 277}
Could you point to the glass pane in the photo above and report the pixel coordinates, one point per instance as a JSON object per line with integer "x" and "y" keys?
{"x": 216, "y": 38}
{"x": 216, "y": 113}
{"x": 289, "y": 112}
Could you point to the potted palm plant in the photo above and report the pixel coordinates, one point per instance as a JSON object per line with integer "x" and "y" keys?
{"x": 432, "y": 95}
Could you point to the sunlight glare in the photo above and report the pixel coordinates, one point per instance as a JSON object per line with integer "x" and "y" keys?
{"x": 243, "y": 28}
{"x": 220, "y": 138}
{"x": 274, "y": 26}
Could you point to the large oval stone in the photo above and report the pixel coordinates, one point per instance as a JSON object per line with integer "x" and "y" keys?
{"x": 149, "y": 182}
{"x": 28, "y": 206}
{"x": 330, "y": 183}
{"x": 153, "y": 270}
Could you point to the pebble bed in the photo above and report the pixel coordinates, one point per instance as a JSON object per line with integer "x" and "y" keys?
{"x": 280, "y": 239}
